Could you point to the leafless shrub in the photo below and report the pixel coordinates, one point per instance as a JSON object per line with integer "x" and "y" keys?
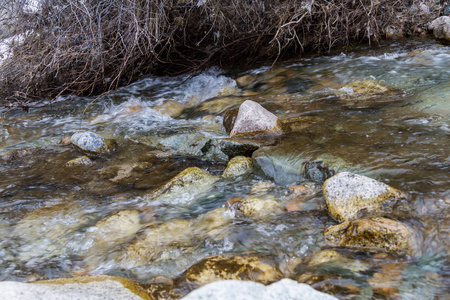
{"x": 86, "y": 47}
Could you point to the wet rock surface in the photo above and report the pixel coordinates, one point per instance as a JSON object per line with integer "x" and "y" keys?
{"x": 46, "y": 231}
{"x": 237, "y": 166}
{"x": 92, "y": 143}
{"x": 349, "y": 196}
{"x": 283, "y": 289}
{"x": 184, "y": 187}
{"x": 375, "y": 234}
{"x": 290, "y": 162}
{"x": 170, "y": 108}
{"x": 253, "y": 119}
{"x": 257, "y": 207}
{"x": 238, "y": 147}
{"x": 221, "y": 267}
{"x": 193, "y": 145}
{"x": 435, "y": 101}
{"x": 80, "y": 161}
{"x": 100, "y": 287}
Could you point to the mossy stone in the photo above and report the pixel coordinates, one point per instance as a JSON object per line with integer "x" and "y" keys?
{"x": 237, "y": 166}
{"x": 375, "y": 235}
{"x": 224, "y": 267}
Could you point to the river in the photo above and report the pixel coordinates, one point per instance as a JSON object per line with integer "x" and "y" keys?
{"x": 383, "y": 113}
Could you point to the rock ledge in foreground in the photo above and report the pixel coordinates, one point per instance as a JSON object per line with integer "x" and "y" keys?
{"x": 286, "y": 289}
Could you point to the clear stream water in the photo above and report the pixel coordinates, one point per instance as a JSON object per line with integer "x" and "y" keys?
{"x": 48, "y": 211}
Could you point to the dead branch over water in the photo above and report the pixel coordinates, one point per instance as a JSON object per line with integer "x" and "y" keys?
{"x": 86, "y": 47}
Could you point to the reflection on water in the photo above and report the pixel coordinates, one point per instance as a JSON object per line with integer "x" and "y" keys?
{"x": 50, "y": 213}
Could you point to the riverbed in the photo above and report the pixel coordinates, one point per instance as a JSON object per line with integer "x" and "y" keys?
{"x": 382, "y": 113}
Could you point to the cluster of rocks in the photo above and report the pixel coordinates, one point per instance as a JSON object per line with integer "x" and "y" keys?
{"x": 359, "y": 203}
{"x": 255, "y": 145}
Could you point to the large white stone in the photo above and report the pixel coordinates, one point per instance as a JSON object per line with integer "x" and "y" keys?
{"x": 285, "y": 289}
{"x": 107, "y": 289}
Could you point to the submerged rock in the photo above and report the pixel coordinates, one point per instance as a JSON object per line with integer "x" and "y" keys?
{"x": 441, "y": 29}
{"x": 170, "y": 108}
{"x": 92, "y": 143}
{"x": 237, "y": 166}
{"x": 286, "y": 289}
{"x": 291, "y": 161}
{"x": 238, "y": 147}
{"x": 184, "y": 187}
{"x": 375, "y": 234}
{"x": 220, "y": 105}
{"x": 229, "y": 118}
{"x": 350, "y": 195}
{"x": 258, "y": 208}
{"x": 214, "y": 224}
{"x": 245, "y": 80}
{"x": 45, "y": 232}
{"x": 435, "y": 100}
{"x": 193, "y": 144}
{"x": 221, "y": 267}
{"x": 253, "y": 120}
{"x": 80, "y": 161}
{"x": 364, "y": 93}
{"x": 19, "y": 153}
{"x": 332, "y": 257}
{"x": 364, "y": 88}
{"x": 93, "y": 288}
{"x": 175, "y": 233}
{"x": 112, "y": 231}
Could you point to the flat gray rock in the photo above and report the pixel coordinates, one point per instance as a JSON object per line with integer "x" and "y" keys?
{"x": 107, "y": 289}
{"x": 285, "y": 289}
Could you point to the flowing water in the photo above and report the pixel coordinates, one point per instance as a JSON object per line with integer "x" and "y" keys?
{"x": 49, "y": 212}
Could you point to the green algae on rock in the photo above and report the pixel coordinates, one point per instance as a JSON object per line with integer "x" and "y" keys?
{"x": 349, "y": 195}
{"x": 375, "y": 234}
{"x": 184, "y": 187}
{"x": 238, "y": 165}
